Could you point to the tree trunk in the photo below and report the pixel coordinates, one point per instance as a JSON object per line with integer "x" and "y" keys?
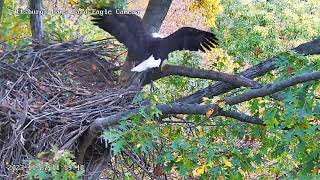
{"x": 153, "y": 18}
{"x": 36, "y": 21}
{"x": 155, "y": 14}
{"x": 2, "y": 81}
{"x": 1, "y": 6}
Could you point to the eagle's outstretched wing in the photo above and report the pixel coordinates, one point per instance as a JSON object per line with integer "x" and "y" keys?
{"x": 187, "y": 38}
{"x": 126, "y": 28}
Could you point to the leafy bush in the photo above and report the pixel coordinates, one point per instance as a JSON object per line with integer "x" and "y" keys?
{"x": 55, "y": 165}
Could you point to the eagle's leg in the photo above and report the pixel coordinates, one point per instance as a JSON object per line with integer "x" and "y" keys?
{"x": 161, "y": 65}
{"x": 161, "y": 68}
{"x": 151, "y": 82}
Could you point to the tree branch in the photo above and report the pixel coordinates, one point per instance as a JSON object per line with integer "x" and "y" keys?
{"x": 237, "y": 80}
{"x": 129, "y": 154}
{"x": 101, "y": 124}
{"x": 309, "y": 48}
{"x": 174, "y": 108}
{"x": 198, "y": 109}
{"x": 272, "y": 88}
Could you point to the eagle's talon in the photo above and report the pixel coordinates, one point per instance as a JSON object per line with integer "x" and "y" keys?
{"x": 161, "y": 68}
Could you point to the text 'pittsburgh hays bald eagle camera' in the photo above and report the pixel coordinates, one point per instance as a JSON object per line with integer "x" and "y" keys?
{"x": 150, "y": 50}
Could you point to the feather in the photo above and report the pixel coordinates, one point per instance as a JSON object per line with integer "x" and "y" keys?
{"x": 147, "y": 64}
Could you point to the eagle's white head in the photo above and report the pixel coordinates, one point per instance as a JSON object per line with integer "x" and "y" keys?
{"x": 147, "y": 64}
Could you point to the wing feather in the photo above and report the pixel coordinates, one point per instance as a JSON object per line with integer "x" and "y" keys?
{"x": 188, "y": 38}
{"x": 126, "y": 28}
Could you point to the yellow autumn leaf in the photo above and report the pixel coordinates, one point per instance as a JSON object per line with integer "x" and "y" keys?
{"x": 242, "y": 173}
{"x": 210, "y": 165}
{"x": 199, "y": 170}
{"x": 179, "y": 159}
{"x": 148, "y": 121}
{"x": 205, "y": 99}
{"x": 208, "y": 8}
{"x": 317, "y": 91}
{"x": 226, "y": 162}
{"x": 156, "y": 98}
{"x": 175, "y": 154}
{"x": 315, "y": 171}
{"x": 72, "y": 2}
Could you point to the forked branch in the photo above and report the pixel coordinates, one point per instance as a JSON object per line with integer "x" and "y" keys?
{"x": 272, "y": 88}
{"x": 309, "y": 48}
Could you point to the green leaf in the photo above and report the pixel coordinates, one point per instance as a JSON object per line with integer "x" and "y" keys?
{"x": 118, "y": 146}
{"x": 111, "y": 136}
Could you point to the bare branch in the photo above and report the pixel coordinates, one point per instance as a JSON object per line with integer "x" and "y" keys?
{"x": 309, "y": 48}
{"x": 98, "y": 164}
{"x": 237, "y": 80}
{"x": 129, "y": 154}
{"x": 272, "y": 88}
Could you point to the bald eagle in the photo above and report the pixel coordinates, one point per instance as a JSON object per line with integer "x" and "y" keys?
{"x": 150, "y": 49}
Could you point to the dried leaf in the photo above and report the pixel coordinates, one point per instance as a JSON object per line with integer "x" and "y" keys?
{"x": 209, "y": 113}
{"x": 290, "y": 70}
{"x": 158, "y": 171}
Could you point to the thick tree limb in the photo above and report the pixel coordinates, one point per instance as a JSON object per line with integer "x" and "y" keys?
{"x": 272, "y": 88}
{"x": 174, "y": 108}
{"x": 237, "y": 80}
{"x": 309, "y": 48}
{"x": 198, "y": 109}
{"x": 101, "y": 124}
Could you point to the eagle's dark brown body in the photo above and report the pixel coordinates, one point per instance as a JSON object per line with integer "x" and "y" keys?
{"x": 130, "y": 30}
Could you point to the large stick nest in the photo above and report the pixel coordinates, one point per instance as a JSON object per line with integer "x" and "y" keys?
{"x": 49, "y": 95}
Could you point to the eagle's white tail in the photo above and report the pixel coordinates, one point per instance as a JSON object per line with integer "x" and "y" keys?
{"x": 147, "y": 64}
